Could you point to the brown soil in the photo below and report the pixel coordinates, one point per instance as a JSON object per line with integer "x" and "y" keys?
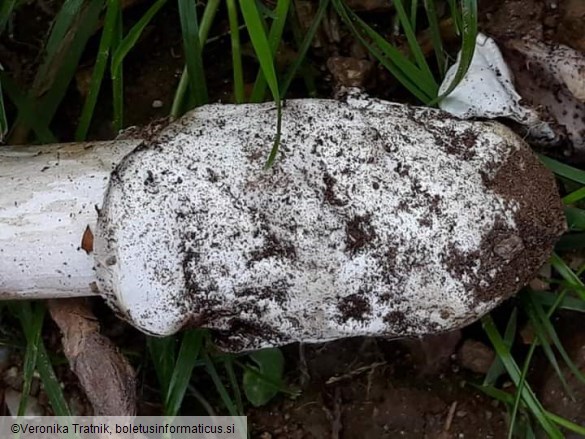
{"x": 355, "y": 388}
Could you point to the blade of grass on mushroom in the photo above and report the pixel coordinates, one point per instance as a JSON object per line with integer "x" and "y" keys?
{"x": 121, "y": 50}
{"x": 181, "y": 376}
{"x": 239, "y": 96}
{"x": 274, "y": 38}
{"x": 266, "y": 60}
{"x": 178, "y": 107}
{"x": 304, "y": 46}
{"x": 109, "y": 29}
{"x": 517, "y": 377}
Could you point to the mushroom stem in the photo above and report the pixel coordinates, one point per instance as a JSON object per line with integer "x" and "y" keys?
{"x": 48, "y": 206}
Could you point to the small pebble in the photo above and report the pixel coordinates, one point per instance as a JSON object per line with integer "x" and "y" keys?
{"x": 157, "y": 103}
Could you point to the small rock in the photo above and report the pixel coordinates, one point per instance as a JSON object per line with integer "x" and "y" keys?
{"x": 157, "y": 103}
{"x": 350, "y": 72}
{"x": 475, "y": 356}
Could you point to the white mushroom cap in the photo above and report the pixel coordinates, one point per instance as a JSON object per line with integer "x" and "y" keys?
{"x": 377, "y": 219}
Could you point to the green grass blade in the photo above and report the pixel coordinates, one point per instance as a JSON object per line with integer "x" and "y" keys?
{"x": 110, "y": 23}
{"x": 563, "y": 170}
{"x": 117, "y": 77}
{"x": 508, "y": 399}
{"x": 193, "y": 53}
{"x": 414, "y": 46}
{"x": 122, "y": 49}
{"x": 177, "y": 109}
{"x": 229, "y": 368}
{"x": 31, "y": 319}
{"x": 497, "y": 367}
{"x": 66, "y": 58}
{"x": 274, "y": 38}
{"x": 188, "y": 354}
{"x": 163, "y": 353}
{"x": 568, "y": 275}
{"x": 304, "y": 46}
{"x": 6, "y": 10}
{"x": 266, "y": 60}
{"x": 274, "y": 150}
{"x": 413, "y": 13}
{"x": 3, "y": 118}
{"x": 239, "y": 96}
{"x": 565, "y": 423}
{"x": 61, "y": 25}
{"x": 468, "y": 36}
{"x": 514, "y": 372}
{"x": 575, "y": 196}
{"x": 551, "y": 333}
{"x": 545, "y": 298}
{"x": 53, "y": 79}
{"x": 223, "y": 393}
{"x": 456, "y": 14}
{"x": 395, "y": 62}
{"x": 575, "y": 218}
{"x": 134, "y": 34}
{"x": 26, "y": 110}
{"x": 436, "y": 35}
{"x": 543, "y": 333}
{"x": 261, "y": 45}
{"x": 51, "y": 383}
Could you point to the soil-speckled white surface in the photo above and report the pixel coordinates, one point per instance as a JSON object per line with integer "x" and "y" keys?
{"x": 377, "y": 219}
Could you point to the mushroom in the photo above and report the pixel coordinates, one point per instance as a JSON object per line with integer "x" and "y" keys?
{"x": 377, "y": 219}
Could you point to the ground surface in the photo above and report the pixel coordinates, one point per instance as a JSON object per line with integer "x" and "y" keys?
{"x": 349, "y": 389}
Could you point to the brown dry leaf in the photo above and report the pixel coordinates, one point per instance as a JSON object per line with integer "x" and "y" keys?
{"x": 87, "y": 240}
{"x": 104, "y": 373}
